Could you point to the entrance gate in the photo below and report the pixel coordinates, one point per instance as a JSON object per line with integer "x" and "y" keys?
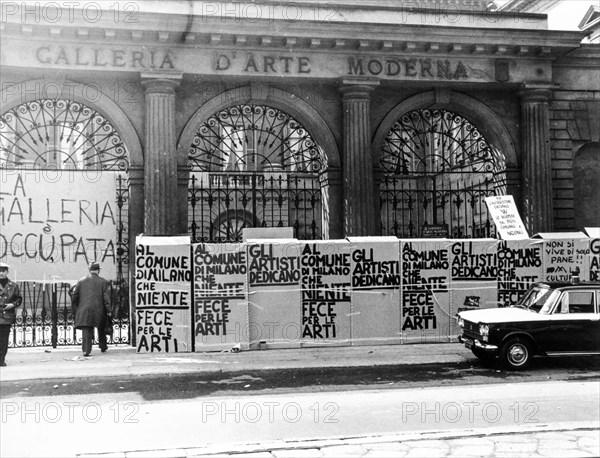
{"x": 437, "y": 170}
{"x": 254, "y": 166}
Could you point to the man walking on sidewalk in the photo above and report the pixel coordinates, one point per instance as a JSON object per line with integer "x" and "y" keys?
{"x": 10, "y": 298}
{"x": 90, "y": 303}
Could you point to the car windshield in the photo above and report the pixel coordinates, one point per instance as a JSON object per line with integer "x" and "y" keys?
{"x": 539, "y": 300}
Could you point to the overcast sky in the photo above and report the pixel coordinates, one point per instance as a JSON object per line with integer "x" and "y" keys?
{"x": 568, "y": 14}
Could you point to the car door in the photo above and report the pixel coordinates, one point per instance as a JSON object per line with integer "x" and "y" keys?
{"x": 574, "y": 324}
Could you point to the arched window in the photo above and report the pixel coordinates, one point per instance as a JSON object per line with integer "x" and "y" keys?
{"x": 253, "y": 166}
{"x": 59, "y": 134}
{"x": 437, "y": 170}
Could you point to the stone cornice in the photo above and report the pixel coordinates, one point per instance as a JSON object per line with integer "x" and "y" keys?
{"x": 588, "y": 55}
{"x": 385, "y": 39}
{"x": 521, "y": 36}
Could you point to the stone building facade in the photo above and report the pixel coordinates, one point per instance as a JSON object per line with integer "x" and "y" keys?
{"x": 348, "y": 119}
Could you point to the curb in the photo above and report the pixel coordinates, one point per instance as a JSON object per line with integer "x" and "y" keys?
{"x": 59, "y": 364}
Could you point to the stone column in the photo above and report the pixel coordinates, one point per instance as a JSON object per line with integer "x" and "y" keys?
{"x": 359, "y": 218}
{"x": 537, "y": 205}
{"x": 161, "y": 203}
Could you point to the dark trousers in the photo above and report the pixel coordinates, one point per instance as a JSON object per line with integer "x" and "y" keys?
{"x": 4, "y": 336}
{"x": 88, "y": 339}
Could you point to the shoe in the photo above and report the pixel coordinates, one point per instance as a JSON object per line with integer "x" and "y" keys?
{"x": 104, "y": 350}
{"x": 86, "y": 354}
{"x": 3, "y": 364}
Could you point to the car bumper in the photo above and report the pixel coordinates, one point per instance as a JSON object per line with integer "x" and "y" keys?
{"x": 474, "y": 343}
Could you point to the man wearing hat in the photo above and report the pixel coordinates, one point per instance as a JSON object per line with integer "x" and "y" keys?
{"x": 10, "y": 299}
{"x": 90, "y": 302}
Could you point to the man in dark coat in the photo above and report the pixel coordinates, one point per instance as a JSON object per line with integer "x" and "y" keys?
{"x": 10, "y": 299}
{"x": 90, "y": 303}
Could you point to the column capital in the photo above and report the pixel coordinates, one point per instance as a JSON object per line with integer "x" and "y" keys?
{"x": 161, "y": 82}
{"x": 536, "y": 92}
{"x": 358, "y": 87}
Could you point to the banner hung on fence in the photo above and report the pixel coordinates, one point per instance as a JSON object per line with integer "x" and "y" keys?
{"x": 50, "y": 233}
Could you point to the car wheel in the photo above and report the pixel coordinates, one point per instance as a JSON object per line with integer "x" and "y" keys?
{"x": 483, "y": 355}
{"x": 516, "y": 354}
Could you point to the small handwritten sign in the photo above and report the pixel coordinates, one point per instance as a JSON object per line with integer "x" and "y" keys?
{"x": 506, "y": 217}
{"x": 435, "y": 231}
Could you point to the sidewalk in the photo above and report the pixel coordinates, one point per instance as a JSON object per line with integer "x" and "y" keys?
{"x": 68, "y": 362}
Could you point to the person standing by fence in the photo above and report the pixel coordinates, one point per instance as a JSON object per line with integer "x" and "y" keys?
{"x": 10, "y": 299}
{"x": 90, "y": 303}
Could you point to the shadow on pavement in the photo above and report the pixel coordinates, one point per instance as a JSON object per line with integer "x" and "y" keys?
{"x": 194, "y": 385}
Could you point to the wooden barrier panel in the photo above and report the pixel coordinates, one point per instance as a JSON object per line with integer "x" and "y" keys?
{"x": 284, "y": 293}
{"x": 519, "y": 266}
{"x": 376, "y": 282}
{"x": 425, "y": 291}
{"x": 593, "y": 261}
{"x": 220, "y": 296}
{"x": 274, "y": 293}
{"x": 325, "y": 269}
{"x": 163, "y": 300}
{"x": 474, "y": 268}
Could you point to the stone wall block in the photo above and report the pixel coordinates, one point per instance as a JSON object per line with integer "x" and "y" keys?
{"x": 574, "y": 95}
{"x": 579, "y": 105}
{"x": 564, "y": 174}
{"x": 573, "y": 129}
{"x": 560, "y": 135}
{"x": 558, "y": 114}
{"x": 562, "y": 155}
{"x": 562, "y": 144}
{"x": 560, "y": 105}
{"x": 566, "y": 194}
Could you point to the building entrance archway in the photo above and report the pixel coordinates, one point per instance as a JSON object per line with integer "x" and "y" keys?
{"x": 435, "y": 167}
{"x": 64, "y": 179}
{"x": 262, "y": 162}
{"x": 254, "y": 166}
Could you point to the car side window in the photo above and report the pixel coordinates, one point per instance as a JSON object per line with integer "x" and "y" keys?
{"x": 579, "y": 301}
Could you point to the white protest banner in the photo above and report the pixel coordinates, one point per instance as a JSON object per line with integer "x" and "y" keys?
{"x": 54, "y": 222}
{"x": 506, "y": 217}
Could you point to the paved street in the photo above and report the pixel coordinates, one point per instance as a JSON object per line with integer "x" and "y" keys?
{"x": 410, "y": 400}
{"x": 547, "y": 443}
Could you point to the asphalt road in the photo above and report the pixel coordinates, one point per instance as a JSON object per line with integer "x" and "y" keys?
{"x": 189, "y": 386}
{"x": 125, "y": 421}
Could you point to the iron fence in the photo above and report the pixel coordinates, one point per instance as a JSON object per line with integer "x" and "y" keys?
{"x": 222, "y": 204}
{"x": 408, "y": 210}
{"x": 46, "y": 318}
